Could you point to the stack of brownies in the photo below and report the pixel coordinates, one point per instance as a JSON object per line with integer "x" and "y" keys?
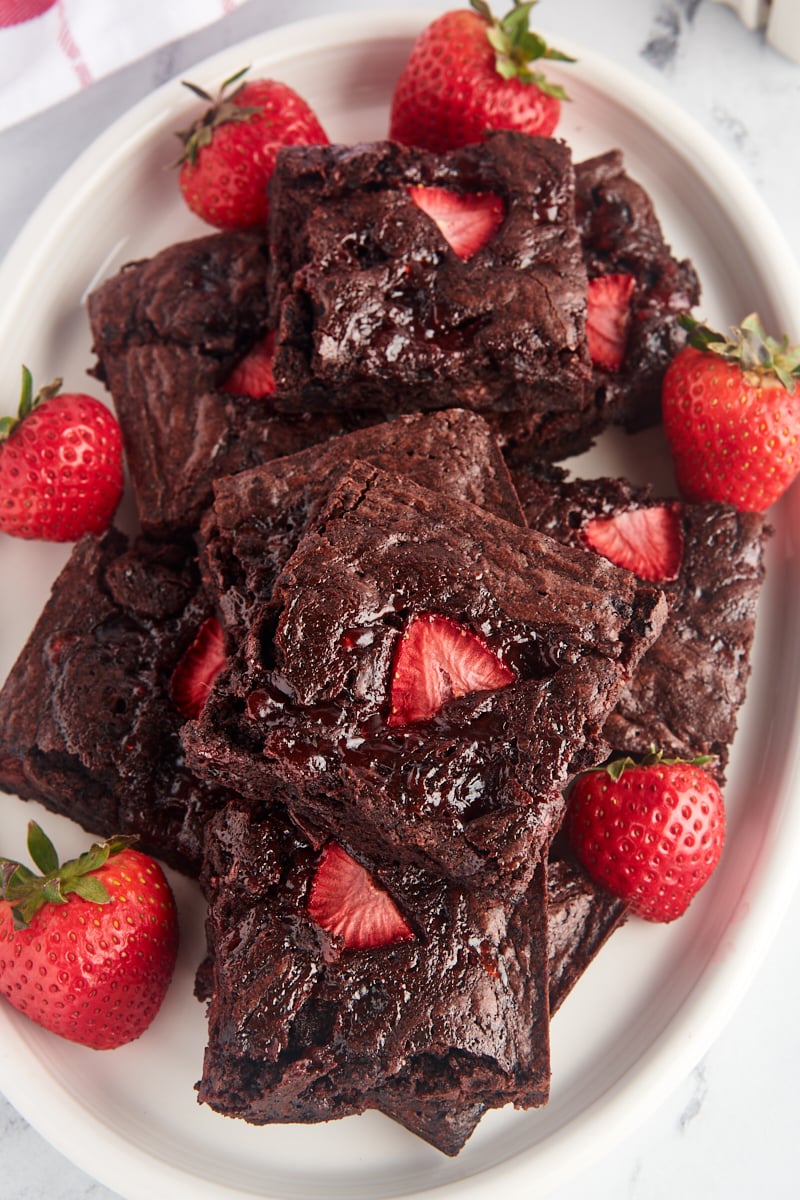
{"x": 326, "y": 549}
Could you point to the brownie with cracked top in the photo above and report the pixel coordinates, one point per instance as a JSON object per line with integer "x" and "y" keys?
{"x": 621, "y": 234}
{"x": 167, "y": 333}
{"x": 688, "y": 688}
{"x": 373, "y": 305}
{"x": 475, "y": 791}
{"x": 259, "y": 516}
{"x": 87, "y": 725}
{"x": 432, "y": 1030}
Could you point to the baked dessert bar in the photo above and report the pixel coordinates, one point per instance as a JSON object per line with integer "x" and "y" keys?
{"x": 688, "y": 688}
{"x": 168, "y": 332}
{"x": 260, "y": 515}
{"x": 375, "y": 308}
{"x": 473, "y": 788}
{"x": 87, "y": 723}
{"x": 432, "y": 1029}
{"x": 621, "y": 236}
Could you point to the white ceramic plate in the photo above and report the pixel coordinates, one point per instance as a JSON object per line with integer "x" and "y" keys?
{"x": 654, "y": 999}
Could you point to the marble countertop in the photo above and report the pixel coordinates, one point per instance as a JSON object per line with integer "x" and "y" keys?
{"x": 729, "y": 1129}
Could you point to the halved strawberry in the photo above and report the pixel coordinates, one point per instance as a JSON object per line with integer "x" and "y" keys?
{"x": 438, "y": 660}
{"x": 194, "y": 675}
{"x": 647, "y": 541}
{"x": 253, "y": 375}
{"x": 466, "y": 221}
{"x": 345, "y": 899}
{"x": 608, "y": 318}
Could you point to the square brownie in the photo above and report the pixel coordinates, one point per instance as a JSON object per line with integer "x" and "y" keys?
{"x": 688, "y": 688}
{"x": 476, "y": 790}
{"x": 621, "y": 235}
{"x": 260, "y": 515}
{"x": 87, "y": 724}
{"x": 168, "y": 332}
{"x": 432, "y": 1029}
{"x": 374, "y": 308}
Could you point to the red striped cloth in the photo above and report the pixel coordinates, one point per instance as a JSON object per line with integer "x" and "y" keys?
{"x": 52, "y": 48}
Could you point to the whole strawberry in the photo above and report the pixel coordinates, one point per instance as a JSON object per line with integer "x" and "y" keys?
{"x": 229, "y": 153}
{"x": 469, "y": 73}
{"x": 732, "y": 416}
{"x": 88, "y": 948}
{"x": 651, "y": 833}
{"x": 60, "y": 465}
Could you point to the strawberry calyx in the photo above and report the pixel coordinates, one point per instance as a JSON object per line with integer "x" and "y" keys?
{"x": 750, "y": 347}
{"x": 27, "y": 892}
{"x": 516, "y": 46}
{"x": 615, "y": 768}
{"x": 222, "y": 110}
{"x": 27, "y": 402}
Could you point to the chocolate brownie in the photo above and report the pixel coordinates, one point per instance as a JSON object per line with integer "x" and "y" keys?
{"x": 259, "y": 516}
{"x": 87, "y": 726}
{"x": 581, "y": 916}
{"x": 168, "y": 332}
{"x": 476, "y": 791}
{"x": 373, "y": 307}
{"x": 432, "y": 1030}
{"x": 690, "y": 685}
{"x": 621, "y": 234}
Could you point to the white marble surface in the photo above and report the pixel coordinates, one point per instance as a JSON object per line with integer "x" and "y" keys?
{"x": 729, "y": 1129}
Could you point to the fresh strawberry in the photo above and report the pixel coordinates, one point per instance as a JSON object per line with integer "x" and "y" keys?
{"x": 469, "y": 73}
{"x": 608, "y": 318}
{"x": 253, "y": 375}
{"x": 647, "y": 541}
{"x": 467, "y": 221}
{"x": 651, "y": 834}
{"x": 439, "y": 660}
{"x": 732, "y": 417}
{"x": 60, "y": 465}
{"x": 194, "y": 676}
{"x": 230, "y": 151}
{"x": 88, "y": 948}
{"x": 346, "y": 900}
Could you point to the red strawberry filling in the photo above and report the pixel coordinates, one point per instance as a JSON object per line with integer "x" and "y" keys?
{"x": 608, "y": 319}
{"x": 466, "y": 221}
{"x": 253, "y": 375}
{"x": 439, "y": 660}
{"x": 345, "y": 899}
{"x": 194, "y": 675}
{"x": 647, "y": 541}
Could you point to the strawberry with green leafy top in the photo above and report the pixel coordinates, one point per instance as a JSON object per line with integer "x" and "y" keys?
{"x": 230, "y": 151}
{"x": 87, "y": 948}
{"x": 651, "y": 833}
{"x": 60, "y": 465}
{"x": 469, "y": 73}
{"x": 732, "y": 415}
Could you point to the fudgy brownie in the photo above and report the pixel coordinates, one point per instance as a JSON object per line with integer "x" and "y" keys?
{"x": 432, "y": 1029}
{"x": 259, "y": 516}
{"x": 688, "y": 688}
{"x": 373, "y": 306}
{"x": 168, "y": 332}
{"x": 621, "y": 235}
{"x": 581, "y": 916}
{"x": 474, "y": 788}
{"x": 87, "y": 725}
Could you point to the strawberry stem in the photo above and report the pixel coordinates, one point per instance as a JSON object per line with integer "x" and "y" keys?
{"x": 27, "y": 892}
{"x": 27, "y": 402}
{"x": 749, "y": 346}
{"x": 221, "y": 111}
{"x": 516, "y": 46}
